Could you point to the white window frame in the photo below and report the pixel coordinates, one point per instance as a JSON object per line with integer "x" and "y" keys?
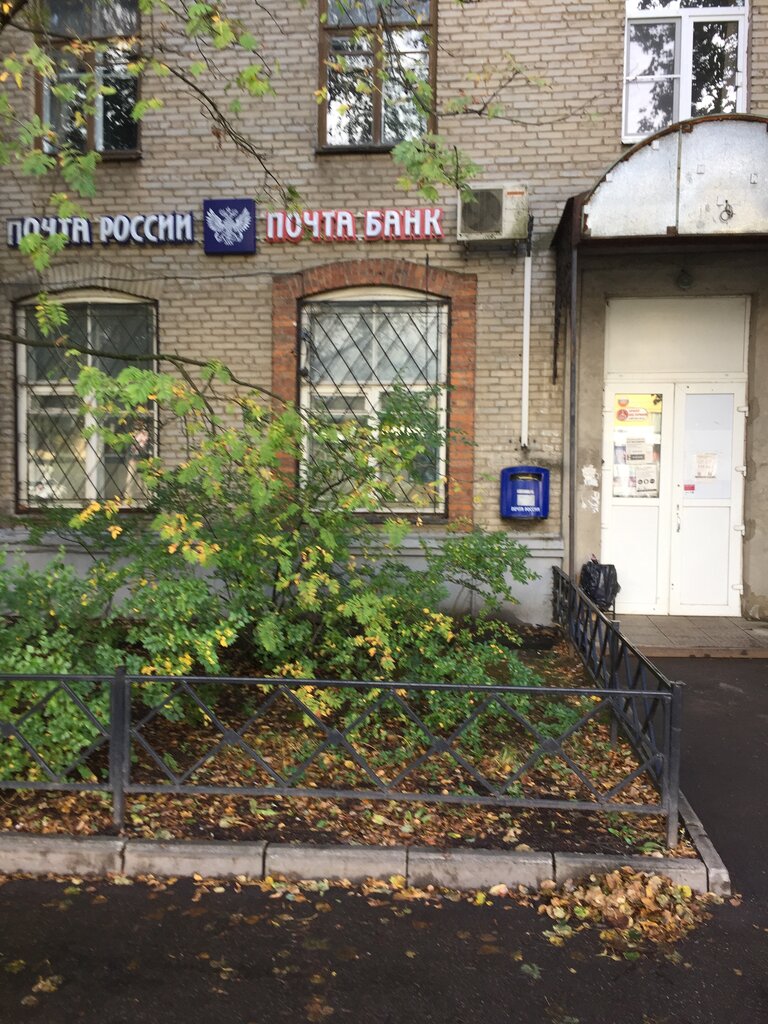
{"x": 25, "y": 388}
{"x": 373, "y": 392}
{"x": 684, "y": 20}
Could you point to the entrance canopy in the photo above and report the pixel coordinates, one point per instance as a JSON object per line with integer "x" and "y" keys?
{"x": 696, "y": 184}
{"x": 705, "y": 177}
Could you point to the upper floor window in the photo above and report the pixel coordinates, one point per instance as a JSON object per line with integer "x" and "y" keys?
{"x": 684, "y": 58}
{"x": 60, "y": 459}
{"x": 91, "y": 41}
{"x": 376, "y": 59}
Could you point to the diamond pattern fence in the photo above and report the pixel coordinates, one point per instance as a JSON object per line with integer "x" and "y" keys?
{"x": 651, "y": 719}
{"x": 266, "y": 737}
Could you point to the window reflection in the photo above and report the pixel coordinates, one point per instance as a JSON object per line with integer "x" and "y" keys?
{"x": 350, "y": 88}
{"x": 407, "y": 61}
{"x": 666, "y": 5}
{"x": 715, "y": 64}
{"x": 349, "y": 13}
{"x": 685, "y": 64}
{"x": 119, "y": 130}
{"x": 377, "y": 59}
{"x": 90, "y": 19}
{"x": 652, "y": 54}
{"x": 79, "y": 115}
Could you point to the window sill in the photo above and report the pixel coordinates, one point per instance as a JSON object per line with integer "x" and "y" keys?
{"x": 354, "y": 150}
{"x": 417, "y": 518}
{"x": 118, "y": 156}
{"x": 58, "y": 506}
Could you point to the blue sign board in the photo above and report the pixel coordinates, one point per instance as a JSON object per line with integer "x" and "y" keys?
{"x": 229, "y": 226}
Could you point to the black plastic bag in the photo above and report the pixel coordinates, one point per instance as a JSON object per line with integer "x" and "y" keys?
{"x": 600, "y": 583}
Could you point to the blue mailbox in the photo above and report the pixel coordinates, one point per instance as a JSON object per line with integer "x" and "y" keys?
{"x": 524, "y": 492}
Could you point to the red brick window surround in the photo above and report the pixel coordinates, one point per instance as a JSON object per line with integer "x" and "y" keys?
{"x": 458, "y": 290}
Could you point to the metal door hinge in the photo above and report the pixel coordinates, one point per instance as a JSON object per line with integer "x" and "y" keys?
{"x": 744, "y": 409}
{"x": 739, "y": 587}
{"x": 741, "y": 469}
{"x": 740, "y": 528}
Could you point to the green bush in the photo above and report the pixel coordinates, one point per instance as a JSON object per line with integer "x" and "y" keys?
{"x": 239, "y": 567}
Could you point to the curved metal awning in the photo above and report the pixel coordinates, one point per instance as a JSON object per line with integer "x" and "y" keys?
{"x": 701, "y": 179}
{"x": 698, "y": 184}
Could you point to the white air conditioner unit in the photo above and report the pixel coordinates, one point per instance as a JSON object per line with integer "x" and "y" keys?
{"x": 497, "y": 213}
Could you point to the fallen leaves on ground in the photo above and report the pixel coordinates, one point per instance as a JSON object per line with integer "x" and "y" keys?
{"x": 298, "y": 819}
{"x": 49, "y": 984}
{"x": 632, "y": 910}
{"x": 317, "y": 1009}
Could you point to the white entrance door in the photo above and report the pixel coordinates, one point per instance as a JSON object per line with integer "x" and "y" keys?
{"x": 673, "y": 489}
{"x": 673, "y": 454}
{"x": 708, "y": 499}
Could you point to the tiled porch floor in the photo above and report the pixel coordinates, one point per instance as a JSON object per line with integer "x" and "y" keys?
{"x": 696, "y": 636}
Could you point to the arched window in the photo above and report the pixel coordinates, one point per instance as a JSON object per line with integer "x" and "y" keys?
{"x": 379, "y": 357}
{"x": 59, "y": 462}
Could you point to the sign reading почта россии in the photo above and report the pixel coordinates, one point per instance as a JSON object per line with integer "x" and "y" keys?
{"x": 229, "y": 227}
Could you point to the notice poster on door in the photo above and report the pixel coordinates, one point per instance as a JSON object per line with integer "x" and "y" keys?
{"x": 706, "y": 465}
{"x": 708, "y": 452}
{"x": 636, "y": 445}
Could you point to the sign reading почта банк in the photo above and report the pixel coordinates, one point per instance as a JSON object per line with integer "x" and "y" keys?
{"x": 229, "y": 227}
{"x": 410, "y": 224}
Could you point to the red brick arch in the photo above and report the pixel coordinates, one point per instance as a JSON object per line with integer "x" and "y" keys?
{"x": 460, "y": 290}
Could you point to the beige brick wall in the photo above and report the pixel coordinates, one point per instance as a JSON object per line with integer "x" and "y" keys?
{"x": 557, "y": 138}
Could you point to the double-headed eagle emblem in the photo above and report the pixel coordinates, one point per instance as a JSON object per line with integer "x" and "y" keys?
{"x": 228, "y": 225}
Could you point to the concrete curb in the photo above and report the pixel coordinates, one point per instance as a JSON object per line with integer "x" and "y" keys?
{"x": 60, "y": 855}
{"x": 185, "y": 858}
{"x": 477, "y": 869}
{"x": 420, "y": 866}
{"x": 681, "y": 870}
{"x": 718, "y": 877}
{"x": 355, "y": 863}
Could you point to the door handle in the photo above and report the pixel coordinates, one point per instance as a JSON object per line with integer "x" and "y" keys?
{"x": 677, "y": 512}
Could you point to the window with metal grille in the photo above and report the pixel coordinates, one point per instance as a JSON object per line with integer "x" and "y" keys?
{"x": 380, "y": 361}
{"x": 61, "y": 461}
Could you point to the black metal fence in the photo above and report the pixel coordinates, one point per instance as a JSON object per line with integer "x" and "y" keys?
{"x": 269, "y": 737}
{"x": 652, "y": 722}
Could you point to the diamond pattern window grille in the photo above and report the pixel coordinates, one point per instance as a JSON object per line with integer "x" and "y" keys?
{"x": 60, "y": 461}
{"x": 359, "y": 359}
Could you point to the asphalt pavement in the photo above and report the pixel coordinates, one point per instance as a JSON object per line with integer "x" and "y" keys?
{"x": 724, "y": 770}
{"x": 102, "y": 953}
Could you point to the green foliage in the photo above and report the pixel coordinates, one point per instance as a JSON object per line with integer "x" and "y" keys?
{"x": 55, "y": 622}
{"x": 239, "y": 567}
{"x": 432, "y": 161}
